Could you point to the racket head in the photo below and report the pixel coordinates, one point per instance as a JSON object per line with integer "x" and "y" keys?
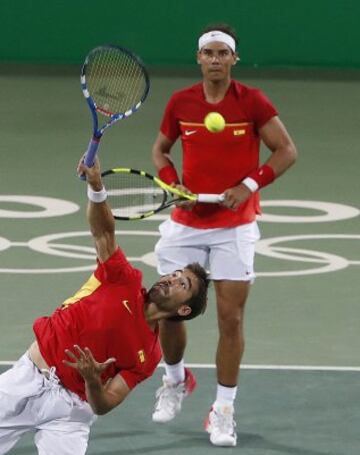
{"x": 114, "y": 82}
{"x": 134, "y": 194}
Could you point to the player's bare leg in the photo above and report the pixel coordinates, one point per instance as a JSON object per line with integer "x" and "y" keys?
{"x": 231, "y": 298}
{"x": 178, "y": 382}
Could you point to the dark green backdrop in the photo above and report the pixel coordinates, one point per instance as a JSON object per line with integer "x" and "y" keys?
{"x": 272, "y": 33}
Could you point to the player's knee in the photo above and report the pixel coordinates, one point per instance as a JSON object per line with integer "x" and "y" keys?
{"x": 230, "y": 325}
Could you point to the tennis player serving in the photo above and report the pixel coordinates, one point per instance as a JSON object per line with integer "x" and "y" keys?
{"x": 97, "y": 346}
{"x": 224, "y": 151}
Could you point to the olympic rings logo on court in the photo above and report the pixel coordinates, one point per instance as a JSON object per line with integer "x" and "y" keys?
{"x": 53, "y": 245}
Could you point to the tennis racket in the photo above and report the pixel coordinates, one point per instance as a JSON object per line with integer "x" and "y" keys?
{"x": 115, "y": 83}
{"x": 135, "y": 194}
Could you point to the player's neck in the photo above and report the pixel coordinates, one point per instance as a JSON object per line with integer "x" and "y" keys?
{"x": 153, "y": 315}
{"x": 215, "y": 91}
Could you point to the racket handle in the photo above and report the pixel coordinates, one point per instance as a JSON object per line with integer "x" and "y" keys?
{"x": 211, "y": 198}
{"x": 91, "y": 153}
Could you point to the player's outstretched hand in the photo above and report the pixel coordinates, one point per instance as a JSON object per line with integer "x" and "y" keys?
{"x": 92, "y": 174}
{"x": 83, "y": 361}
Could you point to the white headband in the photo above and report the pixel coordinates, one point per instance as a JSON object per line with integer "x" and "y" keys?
{"x": 216, "y": 35}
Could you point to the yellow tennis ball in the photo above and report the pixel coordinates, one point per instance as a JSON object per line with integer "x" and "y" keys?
{"x": 214, "y": 122}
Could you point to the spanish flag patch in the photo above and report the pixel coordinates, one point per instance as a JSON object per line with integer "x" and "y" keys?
{"x": 239, "y": 132}
{"x": 141, "y": 355}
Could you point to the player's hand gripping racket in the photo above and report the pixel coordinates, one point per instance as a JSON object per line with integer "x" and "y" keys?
{"x": 115, "y": 83}
{"x": 135, "y": 194}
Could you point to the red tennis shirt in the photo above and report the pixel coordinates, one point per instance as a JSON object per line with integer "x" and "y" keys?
{"x": 107, "y": 316}
{"x": 215, "y": 162}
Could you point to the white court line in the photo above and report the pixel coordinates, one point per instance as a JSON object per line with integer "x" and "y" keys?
{"x": 278, "y": 367}
{"x": 252, "y": 367}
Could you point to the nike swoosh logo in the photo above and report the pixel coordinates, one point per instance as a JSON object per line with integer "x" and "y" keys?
{"x": 125, "y": 303}
{"x": 190, "y": 132}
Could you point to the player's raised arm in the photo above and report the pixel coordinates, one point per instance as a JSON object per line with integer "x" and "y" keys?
{"x": 99, "y": 215}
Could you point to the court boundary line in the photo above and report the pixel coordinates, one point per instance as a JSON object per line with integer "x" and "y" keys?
{"x": 253, "y": 367}
{"x": 281, "y": 367}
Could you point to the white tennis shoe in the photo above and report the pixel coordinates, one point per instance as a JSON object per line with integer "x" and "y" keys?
{"x": 220, "y": 424}
{"x": 169, "y": 397}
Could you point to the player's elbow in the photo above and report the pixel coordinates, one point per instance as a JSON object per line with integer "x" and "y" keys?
{"x": 103, "y": 408}
{"x": 158, "y": 157}
{"x": 109, "y": 402}
{"x": 293, "y": 153}
{"x": 101, "y": 411}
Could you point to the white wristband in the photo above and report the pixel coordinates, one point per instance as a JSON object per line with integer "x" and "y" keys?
{"x": 251, "y": 184}
{"x": 96, "y": 196}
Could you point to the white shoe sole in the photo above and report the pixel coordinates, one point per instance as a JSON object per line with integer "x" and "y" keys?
{"x": 224, "y": 443}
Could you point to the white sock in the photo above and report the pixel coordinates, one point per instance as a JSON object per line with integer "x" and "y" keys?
{"x": 176, "y": 372}
{"x": 225, "y": 395}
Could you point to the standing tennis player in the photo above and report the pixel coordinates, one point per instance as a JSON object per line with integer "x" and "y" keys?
{"x": 94, "y": 349}
{"x": 220, "y": 237}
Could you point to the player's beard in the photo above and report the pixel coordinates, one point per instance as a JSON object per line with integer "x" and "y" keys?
{"x": 158, "y": 294}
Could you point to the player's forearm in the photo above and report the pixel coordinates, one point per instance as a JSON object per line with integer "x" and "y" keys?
{"x": 160, "y": 158}
{"x": 98, "y": 211}
{"x": 102, "y": 225}
{"x": 282, "y": 158}
{"x": 100, "y": 400}
{"x": 161, "y": 151}
{"x": 277, "y": 139}
{"x": 100, "y": 218}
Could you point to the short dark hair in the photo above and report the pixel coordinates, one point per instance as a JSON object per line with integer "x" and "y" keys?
{"x": 222, "y": 27}
{"x": 198, "y": 301}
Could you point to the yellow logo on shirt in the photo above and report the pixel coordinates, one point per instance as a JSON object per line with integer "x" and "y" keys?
{"x": 141, "y": 355}
{"x": 239, "y": 132}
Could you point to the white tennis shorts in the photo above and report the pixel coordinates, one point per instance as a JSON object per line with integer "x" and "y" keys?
{"x": 227, "y": 253}
{"x": 31, "y": 401}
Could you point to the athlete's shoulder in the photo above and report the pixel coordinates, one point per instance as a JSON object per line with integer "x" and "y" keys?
{"x": 117, "y": 268}
{"x": 245, "y": 90}
{"x": 252, "y": 97}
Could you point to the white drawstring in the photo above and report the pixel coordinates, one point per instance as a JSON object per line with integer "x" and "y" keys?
{"x": 52, "y": 382}
{"x": 51, "y": 379}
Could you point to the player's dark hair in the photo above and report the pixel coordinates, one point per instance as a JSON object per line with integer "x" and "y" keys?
{"x": 222, "y": 27}
{"x": 198, "y": 301}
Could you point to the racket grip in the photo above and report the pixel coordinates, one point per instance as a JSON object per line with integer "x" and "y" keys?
{"x": 211, "y": 198}
{"x": 91, "y": 151}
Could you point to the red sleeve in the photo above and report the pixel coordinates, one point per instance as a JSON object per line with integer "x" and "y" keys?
{"x": 262, "y": 109}
{"x": 170, "y": 124}
{"x": 117, "y": 269}
{"x": 134, "y": 377}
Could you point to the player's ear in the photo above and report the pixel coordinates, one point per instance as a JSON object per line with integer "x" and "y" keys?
{"x": 184, "y": 310}
{"x": 237, "y": 58}
{"x": 198, "y": 57}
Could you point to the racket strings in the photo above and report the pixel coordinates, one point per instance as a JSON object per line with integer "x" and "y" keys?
{"x": 129, "y": 85}
{"x": 130, "y": 195}
{"x": 115, "y": 79}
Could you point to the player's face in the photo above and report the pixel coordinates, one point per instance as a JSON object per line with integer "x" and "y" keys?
{"x": 216, "y": 60}
{"x": 173, "y": 290}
